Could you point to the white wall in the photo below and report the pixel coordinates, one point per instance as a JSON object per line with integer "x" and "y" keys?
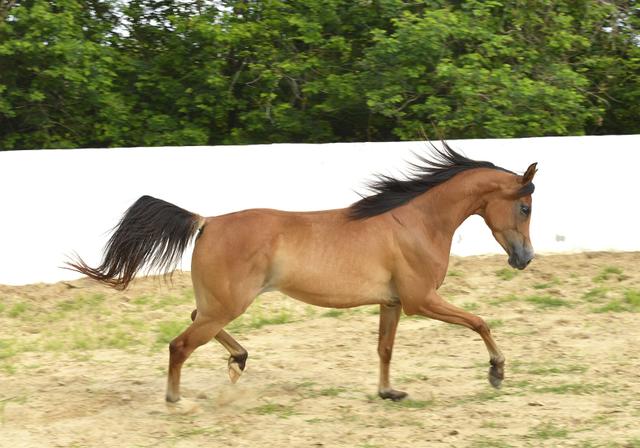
{"x": 53, "y": 203}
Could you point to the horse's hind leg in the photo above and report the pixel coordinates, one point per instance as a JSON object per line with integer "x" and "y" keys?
{"x": 389, "y": 317}
{"x": 238, "y": 357}
{"x": 239, "y": 354}
{"x": 201, "y": 331}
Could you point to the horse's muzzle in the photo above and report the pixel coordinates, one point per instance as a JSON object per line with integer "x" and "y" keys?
{"x": 519, "y": 258}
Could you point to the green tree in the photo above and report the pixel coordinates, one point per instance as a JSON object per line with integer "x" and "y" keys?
{"x": 56, "y": 79}
{"x": 191, "y": 72}
{"x": 488, "y": 69}
{"x": 613, "y": 66}
{"x": 297, "y": 75}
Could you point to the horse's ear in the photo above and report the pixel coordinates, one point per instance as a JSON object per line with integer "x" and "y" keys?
{"x": 527, "y": 177}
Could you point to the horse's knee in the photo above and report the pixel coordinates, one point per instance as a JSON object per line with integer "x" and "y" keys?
{"x": 176, "y": 346}
{"x": 177, "y": 350}
{"x": 480, "y": 326}
{"x": 384, "y": 351}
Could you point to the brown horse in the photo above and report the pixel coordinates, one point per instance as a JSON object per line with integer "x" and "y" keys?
{"x": 390, "y": 248}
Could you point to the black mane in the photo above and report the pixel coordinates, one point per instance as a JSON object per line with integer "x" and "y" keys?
{"x": 389, "y": 193}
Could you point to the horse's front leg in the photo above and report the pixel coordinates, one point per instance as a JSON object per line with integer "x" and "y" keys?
{"x": 436, "y": 307}
{"x": 389, "y": 317}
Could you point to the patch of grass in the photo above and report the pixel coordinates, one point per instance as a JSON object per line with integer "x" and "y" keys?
{"x": 375, "y": 310}
{"x": 546, "y": 301}
{"x": 283, "y": 317}
{"x": 592, "y": 444}
{"x": 630, "y": 302}
{"x": 18, "y": 309}
{"x": 517, "y": 387}
{"x": 333, "y": 313}
{"x": 165, "y": 302}
{"x": 555, "y": 281}
{"x": 506, "y": 273}
{"x": 82, "y": 341}
{"x": 572, "y": 388}
{"x": 81, "y": 304}
{"x": 257, "y": 319}
{"x": 487, "y": 442}
{"x": 495, "y": 323}
{"x": 191, "y": 432}
{"x": 2, "y": 307}
{"x": 142, "y": 300}
{"x": 509, "y": 388}
{"x": 548, "y": 431}
{"x": 454, "y": 273}
{"x": 331, "y": 391}
{"x": 408, "y": 403}
{"x": 504, "y": 299}
{"x": 6, "y": 363}
{"x": 78, "y": 303}
{"x": 615, "y": 306}
{"x": 412, "y": 378}
{"x": 557, "y": 370}
{"x": 54, "y": 345}
{"x": 88, "y": 337}
{"x": 609, "y": 273}
{"x": 139, "y": 325}
{"x": 595, "y": 294}
{"x": 168, "y": 330}
{"x": 470, "y": 306}
{"x": 276, "y": 409}
{"x": 315, "y": 420}
{"x": 309, "y": 391}
{"x": 482, "y": 396}
{"x": 632, "y": 297}
{"x": 7, "y": 348}
{"x": 119, "y": 339}
{"x": 492, "y": 424}
{"x": 7, "y": 368}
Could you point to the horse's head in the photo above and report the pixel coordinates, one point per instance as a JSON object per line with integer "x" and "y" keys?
{"x": 507, "y": 213}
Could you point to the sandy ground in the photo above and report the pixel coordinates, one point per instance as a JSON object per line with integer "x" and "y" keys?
{"x": 82, "y": 365}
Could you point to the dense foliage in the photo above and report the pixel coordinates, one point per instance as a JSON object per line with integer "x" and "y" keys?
{"x": 99, "y": 73}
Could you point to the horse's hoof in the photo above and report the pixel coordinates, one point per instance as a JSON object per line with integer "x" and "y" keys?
{"x": 171, "y": 398}
{"x": 234, "y": 371}
{"x": 392, "y": 394}
{"x": 496, "y": 375}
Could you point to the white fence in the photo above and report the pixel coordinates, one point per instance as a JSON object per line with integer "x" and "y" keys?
{"x": 53, "y": 203}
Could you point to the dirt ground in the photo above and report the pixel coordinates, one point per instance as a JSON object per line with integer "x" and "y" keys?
{"x": 82, "y": 365}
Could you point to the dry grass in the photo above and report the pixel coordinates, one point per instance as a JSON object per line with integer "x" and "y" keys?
{"x": 82, "y": 365}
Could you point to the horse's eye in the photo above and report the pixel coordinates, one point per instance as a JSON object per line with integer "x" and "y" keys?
{"x": 525, "y": 210}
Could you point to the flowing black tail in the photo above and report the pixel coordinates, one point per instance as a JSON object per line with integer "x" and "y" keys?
{"x": 151, "y": 233}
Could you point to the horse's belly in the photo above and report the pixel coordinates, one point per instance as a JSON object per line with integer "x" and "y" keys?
{"x": 337, "y": 289}
{"x": 337, "y": 300}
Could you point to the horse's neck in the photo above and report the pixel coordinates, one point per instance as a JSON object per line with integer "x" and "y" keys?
{"x": 446, "y": 206}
